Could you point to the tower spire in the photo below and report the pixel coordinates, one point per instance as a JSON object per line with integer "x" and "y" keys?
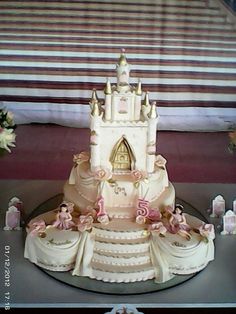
{"x": 152, "y": 113}
{"x": 107, "y": 89}
{"x": 122, "y": 60}
{"x": 139, "y": 88}
{"x": 94, "y": 96}
{"x": 95, "y": 109}
{"x": 146, "y": 102}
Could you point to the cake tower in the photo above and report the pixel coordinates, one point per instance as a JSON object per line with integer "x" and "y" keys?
{"x": 122, "y": 155}
{"x": 118, "y": 221}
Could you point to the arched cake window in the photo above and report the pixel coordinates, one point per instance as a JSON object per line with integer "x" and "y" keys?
{"x": 122, "y": 156}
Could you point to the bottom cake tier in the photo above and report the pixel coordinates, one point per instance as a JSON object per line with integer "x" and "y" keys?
{"x": 120, "y": 251}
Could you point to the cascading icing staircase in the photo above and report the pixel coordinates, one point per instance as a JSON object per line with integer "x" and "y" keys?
{"x": 114, "y": 251}
{"x": 53, "y": 53}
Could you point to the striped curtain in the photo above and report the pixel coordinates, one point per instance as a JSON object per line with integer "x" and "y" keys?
{"x": 53, "y": 53}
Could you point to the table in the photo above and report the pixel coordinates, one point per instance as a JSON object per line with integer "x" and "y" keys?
{"x": 215, "y": 286}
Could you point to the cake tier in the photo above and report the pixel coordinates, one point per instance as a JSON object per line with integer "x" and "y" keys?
{"x": 49, "y": 252}
{"x": 120, "y": 194}
{"x": 121, "y": 251}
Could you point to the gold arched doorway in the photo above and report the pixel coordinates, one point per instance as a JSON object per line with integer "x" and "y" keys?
{"x": 122, "y": 156}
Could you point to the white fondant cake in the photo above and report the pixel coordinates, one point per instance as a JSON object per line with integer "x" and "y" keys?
{"x": 118, "y": 221}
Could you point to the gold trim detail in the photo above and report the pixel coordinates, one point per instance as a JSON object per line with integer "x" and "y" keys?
{"x": 113, "y": 159}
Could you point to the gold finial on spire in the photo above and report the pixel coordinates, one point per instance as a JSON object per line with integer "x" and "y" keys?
{"x": 122, "y": 60}
{"x": 107, "y": 89}
{"x": 139, "y": 88}
{"x": 146, "y": 102}
{"x": 94, "y": 96}
{"x": 95, "y": 110}
{"x": 152, "y": 113}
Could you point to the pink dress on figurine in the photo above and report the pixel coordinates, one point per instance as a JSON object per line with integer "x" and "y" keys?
{"x": 178, "y": 224}
{"x": 63, "y": 218}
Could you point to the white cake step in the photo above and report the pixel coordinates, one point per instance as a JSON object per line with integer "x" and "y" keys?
{"x": 122, "y": 249}
{"x": 121, "y": 235}
{"x": 123, "y": 277}
{"x": 121, "y": 261}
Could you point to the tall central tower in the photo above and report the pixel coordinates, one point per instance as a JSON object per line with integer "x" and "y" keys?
{"x": 124, "y": 128}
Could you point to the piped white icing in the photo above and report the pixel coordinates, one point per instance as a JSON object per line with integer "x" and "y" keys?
{"x": 103, "y": 247}
{"x": 121, "y": 235}
{"x": 123, "y": 277}
{"x": 121, "y": 261}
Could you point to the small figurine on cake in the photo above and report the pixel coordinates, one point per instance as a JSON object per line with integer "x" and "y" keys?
{"x": 178, "y": 223}
{"x": 63, "y": 218}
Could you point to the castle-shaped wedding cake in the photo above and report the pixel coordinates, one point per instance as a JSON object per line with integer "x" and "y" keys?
{"x": 119, "y": 221}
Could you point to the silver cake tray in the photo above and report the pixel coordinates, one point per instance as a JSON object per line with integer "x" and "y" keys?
{"x": 98, "y": 286}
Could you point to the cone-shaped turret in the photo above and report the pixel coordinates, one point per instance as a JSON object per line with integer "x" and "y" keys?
{"x": 94, "y": 96}
{"x": 152, "y": 113}
{"x": 95, "y": 110}
{"x": 138, "y": 90}
{"x": 146, "y": 100}
{"x": 107, "y": 89}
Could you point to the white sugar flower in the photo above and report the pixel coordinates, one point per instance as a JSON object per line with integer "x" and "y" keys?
{"x": 9, "y": 118}
{"x": 7, "y": 138}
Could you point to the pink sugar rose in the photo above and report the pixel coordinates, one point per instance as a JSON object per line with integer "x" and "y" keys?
{"x": 36, "y": 228}
{"x": 158, "y": 227}
{"x": 138, "y": 175}
{"x": 154, "y": 214}
{"x": 102, "y": 174}
{"x": 85, "y": 223}
{"x": 207, "y": 231}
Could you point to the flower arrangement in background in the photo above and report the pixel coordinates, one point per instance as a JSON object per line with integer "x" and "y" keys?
{"x": 232, "y": 141}
{"x": 7, "y": 134}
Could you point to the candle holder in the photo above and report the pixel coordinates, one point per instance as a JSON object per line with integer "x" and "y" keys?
{"x": 229, "y": 223}
{"x": 12, "y": 219}
{"x": 218, "y": 207}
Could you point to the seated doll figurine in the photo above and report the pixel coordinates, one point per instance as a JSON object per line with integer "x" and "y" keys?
{"x": 63, "y": 218}
{"x": 178, "y": 223}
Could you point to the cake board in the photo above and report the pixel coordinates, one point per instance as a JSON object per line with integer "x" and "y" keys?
{"x": 98, "y": 286}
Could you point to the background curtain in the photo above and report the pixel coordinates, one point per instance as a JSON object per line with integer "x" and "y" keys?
{"x": 53, "y": 53}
